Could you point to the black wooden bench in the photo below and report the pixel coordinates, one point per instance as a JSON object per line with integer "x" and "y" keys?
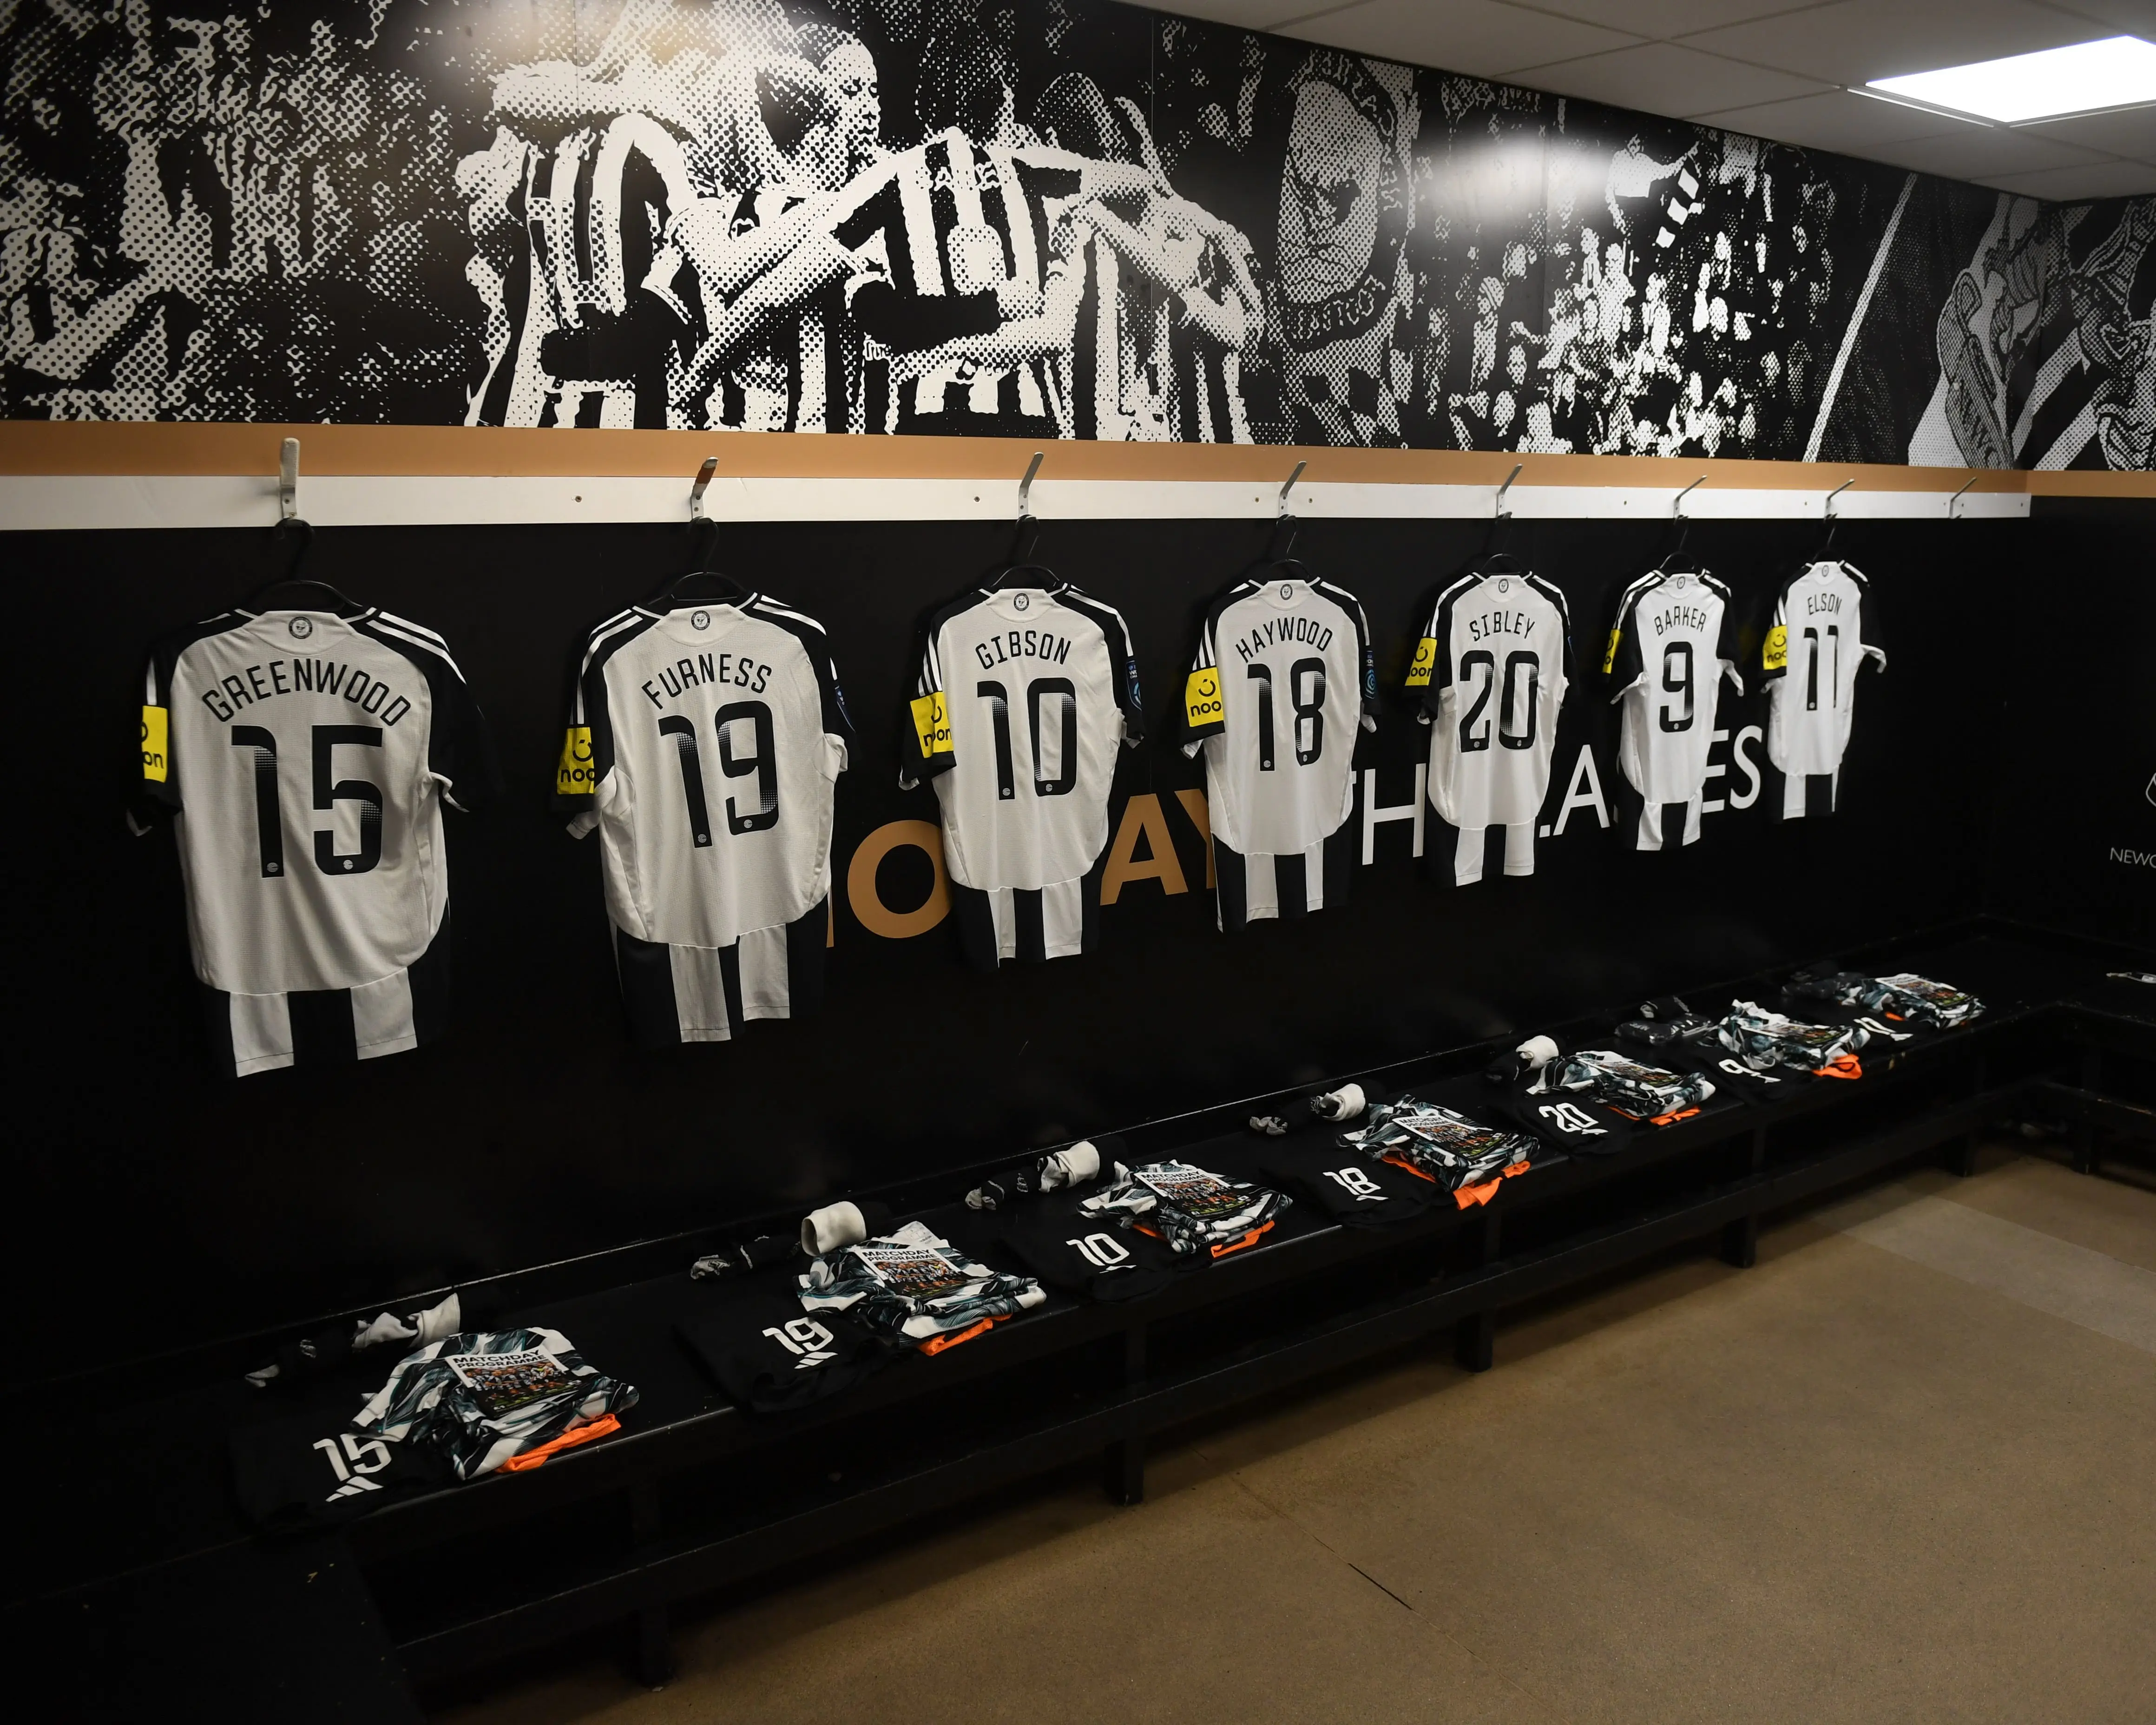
{"x": 143, "y": 1558}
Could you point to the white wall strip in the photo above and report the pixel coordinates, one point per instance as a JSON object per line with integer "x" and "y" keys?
{"x": 30, "y": 503}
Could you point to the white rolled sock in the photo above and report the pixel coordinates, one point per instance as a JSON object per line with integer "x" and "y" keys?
{"x": 834, "y": 1226}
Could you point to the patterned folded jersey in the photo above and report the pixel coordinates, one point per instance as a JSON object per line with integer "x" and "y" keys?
{"x": 1904, "y": 997}
{"x": 1193, "y": 1211}
{"x": 915, "y": 1286}
{"x": 1761, "y": 1038}
{"x": 1625, "y": 1086}
{"x": 502, "y": 1399}
{"x": 1463, "y": 1156}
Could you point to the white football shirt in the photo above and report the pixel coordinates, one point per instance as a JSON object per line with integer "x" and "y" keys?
{"x": 704, "y": 743}
{"x": 1282, "y": 682}
{"x": 1023, "y": 694}
{"x": 1492, "y": 668}
{"x": 1670, "y": 648}
{"x": 1824, "y": 631}
{"x": 305, "y": 756}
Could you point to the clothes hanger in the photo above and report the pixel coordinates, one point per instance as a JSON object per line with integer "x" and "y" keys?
{"x": 1825, "y": 553}
{"x": 291, "y": 522}
{"x": 723, "y": 588}
{"x": 1027, "y": 538}
{"x": 291, "y": 525}
{"x": 1000, "y": 582}
{"x": 1674, "y": 561}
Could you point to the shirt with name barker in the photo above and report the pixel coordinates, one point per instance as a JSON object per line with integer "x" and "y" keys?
{"x": 1673, "y": 643}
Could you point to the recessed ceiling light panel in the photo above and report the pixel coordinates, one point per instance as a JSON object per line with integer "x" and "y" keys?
{"x": 2119, "y": 72}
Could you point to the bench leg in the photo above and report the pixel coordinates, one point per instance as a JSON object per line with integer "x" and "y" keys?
{"x": 654, "y": 1648}
{"x": 1122, "y": 1472}
{"x": 1739, "y": 1246}
{"x": 1961, "y": 1155}
{"x": 1474, "y": 1341}
{"x": 651, "y": 1644}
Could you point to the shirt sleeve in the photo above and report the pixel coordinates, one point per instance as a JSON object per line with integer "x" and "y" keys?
{"x": 1567, "y": 660}
{"x": 1366, "y": 660}
{"x": 1725, "y": 649}
{"x": 1204, "y": 710}
{"x": 156, "y": 795}
{"x": 1622, "y": 666}
{"x": 924, "y": 750}
{"x": 460, "y": 749}
{"x": 587, "y": 754}
{"x": 1430, "y": 670}
{"x": 1122, "y": 662}
{"x": 1867, "y": 621}
{"x": 1774, "y": 643}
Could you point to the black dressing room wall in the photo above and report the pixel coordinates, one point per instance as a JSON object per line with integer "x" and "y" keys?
{"x": 395, "y": 216}
{"x": 536, "y": 1133}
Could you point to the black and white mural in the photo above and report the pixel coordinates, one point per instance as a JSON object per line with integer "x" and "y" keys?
{"x": 1024, "y": 217}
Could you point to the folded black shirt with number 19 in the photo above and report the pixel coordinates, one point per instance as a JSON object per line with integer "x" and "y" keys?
{"x": 769, "y": 1356}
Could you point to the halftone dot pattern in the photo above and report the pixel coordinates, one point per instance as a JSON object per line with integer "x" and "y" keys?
{"x": 1037, "y": 217}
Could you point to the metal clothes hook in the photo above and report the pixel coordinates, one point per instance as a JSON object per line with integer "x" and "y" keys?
{"x": 288, "y": 479}
{"x": 1283, "y": 513}
{"x": 702, "y": 484}
{"x": 1502, "y": 513}
{"x": 1677, "y": 509}
{"x": 1284, "y": 522}
{"x": 1833, "y": 493}
{"x": 1026, "y": 486}
{"x": 1957, "y": 496}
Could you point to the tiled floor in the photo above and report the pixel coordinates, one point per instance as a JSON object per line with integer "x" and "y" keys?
{"x": 1902, "y": 1470}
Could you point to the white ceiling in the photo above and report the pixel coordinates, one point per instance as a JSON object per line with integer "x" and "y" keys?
{"x": 1777, "y": 68}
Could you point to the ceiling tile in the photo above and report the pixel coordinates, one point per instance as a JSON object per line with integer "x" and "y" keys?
{"x": 2078, "y": 185}
{"x": 1481, "y": 37}
{"x": 1981, "y": 153}
{"x": 1834, "y": 119}
{"x": 2131, "y": 133}
{"x": 1858, "y": 40}
{"x": 1664, "y": 78}
{"x": 2136, "y": 17}
{"x": 1662, "y": 18}
{"x": 1247, "y": 14}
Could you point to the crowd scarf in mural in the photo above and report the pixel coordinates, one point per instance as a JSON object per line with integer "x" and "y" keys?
{"x": 1347, "y": 202}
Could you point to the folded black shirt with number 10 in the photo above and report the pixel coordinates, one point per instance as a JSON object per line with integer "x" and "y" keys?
{"x": 1075, "y": 1253}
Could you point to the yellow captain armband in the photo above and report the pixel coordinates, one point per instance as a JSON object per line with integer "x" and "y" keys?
{"x": 1201, "y": 699}
{"x": 156, "y": 735}
{"x": 931, "y": 725}
{"x": 1609, "y": 658}
{"x": 1776, "y": 654}
{"x": 574, "y": 777}
{"x": 1424, "y": 663}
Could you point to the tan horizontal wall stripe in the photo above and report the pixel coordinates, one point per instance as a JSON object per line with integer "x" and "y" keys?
{"x": 40, "y": 447}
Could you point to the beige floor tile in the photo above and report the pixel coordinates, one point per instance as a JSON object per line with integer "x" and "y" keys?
{"x": 1843, "y": 1487}
{"x": 1202, "y": 1605}
{"x": 2104, "y": 1214}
